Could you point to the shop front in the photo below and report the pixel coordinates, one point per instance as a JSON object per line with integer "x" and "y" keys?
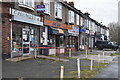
{"x": 73, "y": 38}
{"x": 56, "y": 35}
{"x": 84, "y": 38}
{"x": 25, "y": 33}
{"x": 91, "y": 38}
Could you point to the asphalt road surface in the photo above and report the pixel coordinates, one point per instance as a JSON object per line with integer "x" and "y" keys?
{"x": 111, "y": 71}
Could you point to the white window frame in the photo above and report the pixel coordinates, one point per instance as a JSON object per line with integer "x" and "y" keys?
{"x": 57, "y": 10}
{"x": 47, "y": 6}
{"x": 81, "y": 21}
{"x": 71, "y": 16}
{"x": 30, "y": 4}
{"x": 77, "y": 19}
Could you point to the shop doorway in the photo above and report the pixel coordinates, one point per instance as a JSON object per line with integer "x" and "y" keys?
{"x": 26, "y": 41}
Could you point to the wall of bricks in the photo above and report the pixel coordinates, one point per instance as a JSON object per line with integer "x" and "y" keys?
{"x": 5, "y": 29}
{"x": 0, "y": 29}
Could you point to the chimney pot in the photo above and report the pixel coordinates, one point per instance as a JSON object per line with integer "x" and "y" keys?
{"x": 71, "y": 3}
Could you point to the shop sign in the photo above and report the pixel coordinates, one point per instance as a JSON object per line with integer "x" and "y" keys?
{"x": 40, "y": 8}
{"x": 87, "y": 32}
{"x": 74, "y": 31}
{"x": 26, "y": 17}
{"x": 56, "y": 24}
{"x": 83, "y": 30}
{"x": 92, "y": 32}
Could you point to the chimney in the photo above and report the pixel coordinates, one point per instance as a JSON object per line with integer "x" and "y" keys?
{"x": 65, "y": 1}
{"x": 71, "y": 3}
{"x": 87, "y": 14}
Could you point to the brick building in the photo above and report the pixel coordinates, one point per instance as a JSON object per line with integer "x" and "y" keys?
{"x": 61, "y": 26}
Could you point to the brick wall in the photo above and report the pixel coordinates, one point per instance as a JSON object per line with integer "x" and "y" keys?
{"x": 5, "y": 29}
{"x": 0, "y": 30}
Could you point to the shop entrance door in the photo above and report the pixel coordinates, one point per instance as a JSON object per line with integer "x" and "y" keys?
{"x": 26, "y": 41}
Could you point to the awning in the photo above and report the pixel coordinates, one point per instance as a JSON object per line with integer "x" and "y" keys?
{"x": 60, "y": 31}
{"x": 52, "y": 30}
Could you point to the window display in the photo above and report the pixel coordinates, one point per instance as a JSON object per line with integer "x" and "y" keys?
{"x": 24, "y": 37}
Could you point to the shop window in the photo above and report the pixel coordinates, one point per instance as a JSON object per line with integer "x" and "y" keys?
{"x": 52, "y": 40}
{"x": 61, "y": 41}
{"x": 16, "y": 37}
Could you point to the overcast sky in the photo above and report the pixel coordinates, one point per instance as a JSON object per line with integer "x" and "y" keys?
{"x": 105, "y": 11}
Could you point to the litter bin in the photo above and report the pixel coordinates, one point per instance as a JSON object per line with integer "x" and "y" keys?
{"x": 44, "y": 51}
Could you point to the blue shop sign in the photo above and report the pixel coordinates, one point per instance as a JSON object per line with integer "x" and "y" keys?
{"x": 82, "y": 30}
{"x": 40, "y": 8}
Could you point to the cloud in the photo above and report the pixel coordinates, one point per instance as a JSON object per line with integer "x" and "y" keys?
{"x": 101, "y": 10}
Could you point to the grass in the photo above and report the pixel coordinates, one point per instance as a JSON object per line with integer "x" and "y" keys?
{"x": 47, "y": 60}
{"x": 93, "y": 67}
{"x": 88, "y": 73}
{"x": 84, "y": 74}
{"x": 114, "y": 54}
{"x": 85, "y": 59}
{"x": 104, "y": 63}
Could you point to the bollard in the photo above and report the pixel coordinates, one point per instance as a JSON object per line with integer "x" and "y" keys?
{"x": 103, "y": 56}
{"x": 35, "y": 53}
{"x": 86, "y": 53}
{"x": 70, "y": 53}
{"x": 78, "y": 66}
{"x": 98, "y": 59}
{"x": 11, "y": 55}
{"x": 62, "y": 73}
{"x": 21, "y": 78}
{"x": 18, "y": 55}
{"x": 91, "y": 66}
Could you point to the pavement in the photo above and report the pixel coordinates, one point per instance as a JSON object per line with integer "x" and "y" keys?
{"x": 40, "y": 68}
{"x": 111, "y": 71}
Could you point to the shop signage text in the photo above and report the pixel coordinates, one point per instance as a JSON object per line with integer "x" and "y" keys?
{"x": 74, "y": 31}
{"x": 92, "y": 32}
{"x": 26, "y": 17}
{"x": 56, "y": 24}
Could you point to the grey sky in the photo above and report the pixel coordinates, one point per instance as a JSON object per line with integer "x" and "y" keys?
{"x": 105, "y": 11}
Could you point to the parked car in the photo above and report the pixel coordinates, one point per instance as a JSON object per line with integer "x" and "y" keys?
{"x": 106, "y": 45}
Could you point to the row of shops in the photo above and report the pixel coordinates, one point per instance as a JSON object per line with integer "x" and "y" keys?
{"x": 29, "y": 33}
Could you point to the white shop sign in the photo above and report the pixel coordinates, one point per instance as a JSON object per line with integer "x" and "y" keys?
{"x": 74, "y": 31}
{"x": 87, "y": 32}
{"x": 26, "y": 17}
{"x": 92, "y": 32}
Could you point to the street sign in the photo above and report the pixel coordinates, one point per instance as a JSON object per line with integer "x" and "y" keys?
{"x": 40, "y": 8}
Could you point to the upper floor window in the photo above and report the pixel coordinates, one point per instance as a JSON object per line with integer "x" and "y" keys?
{"x": 58, "y": 10}
{"x": 77, "y": 19}
{"x": 71, "y": 16}
{"x": 27, "y": 4}
{"x": 81, "y": 21}
{"x": 85, "y": 23}
{"x": 47, "y": 6}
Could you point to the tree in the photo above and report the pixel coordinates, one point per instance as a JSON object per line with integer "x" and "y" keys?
{"x": 114, "y": 31}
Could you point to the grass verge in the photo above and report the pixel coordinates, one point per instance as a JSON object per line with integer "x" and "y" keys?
{"x": 114, "y": 54}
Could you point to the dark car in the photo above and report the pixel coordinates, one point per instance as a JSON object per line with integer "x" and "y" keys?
{"x": 105, "y": 45}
